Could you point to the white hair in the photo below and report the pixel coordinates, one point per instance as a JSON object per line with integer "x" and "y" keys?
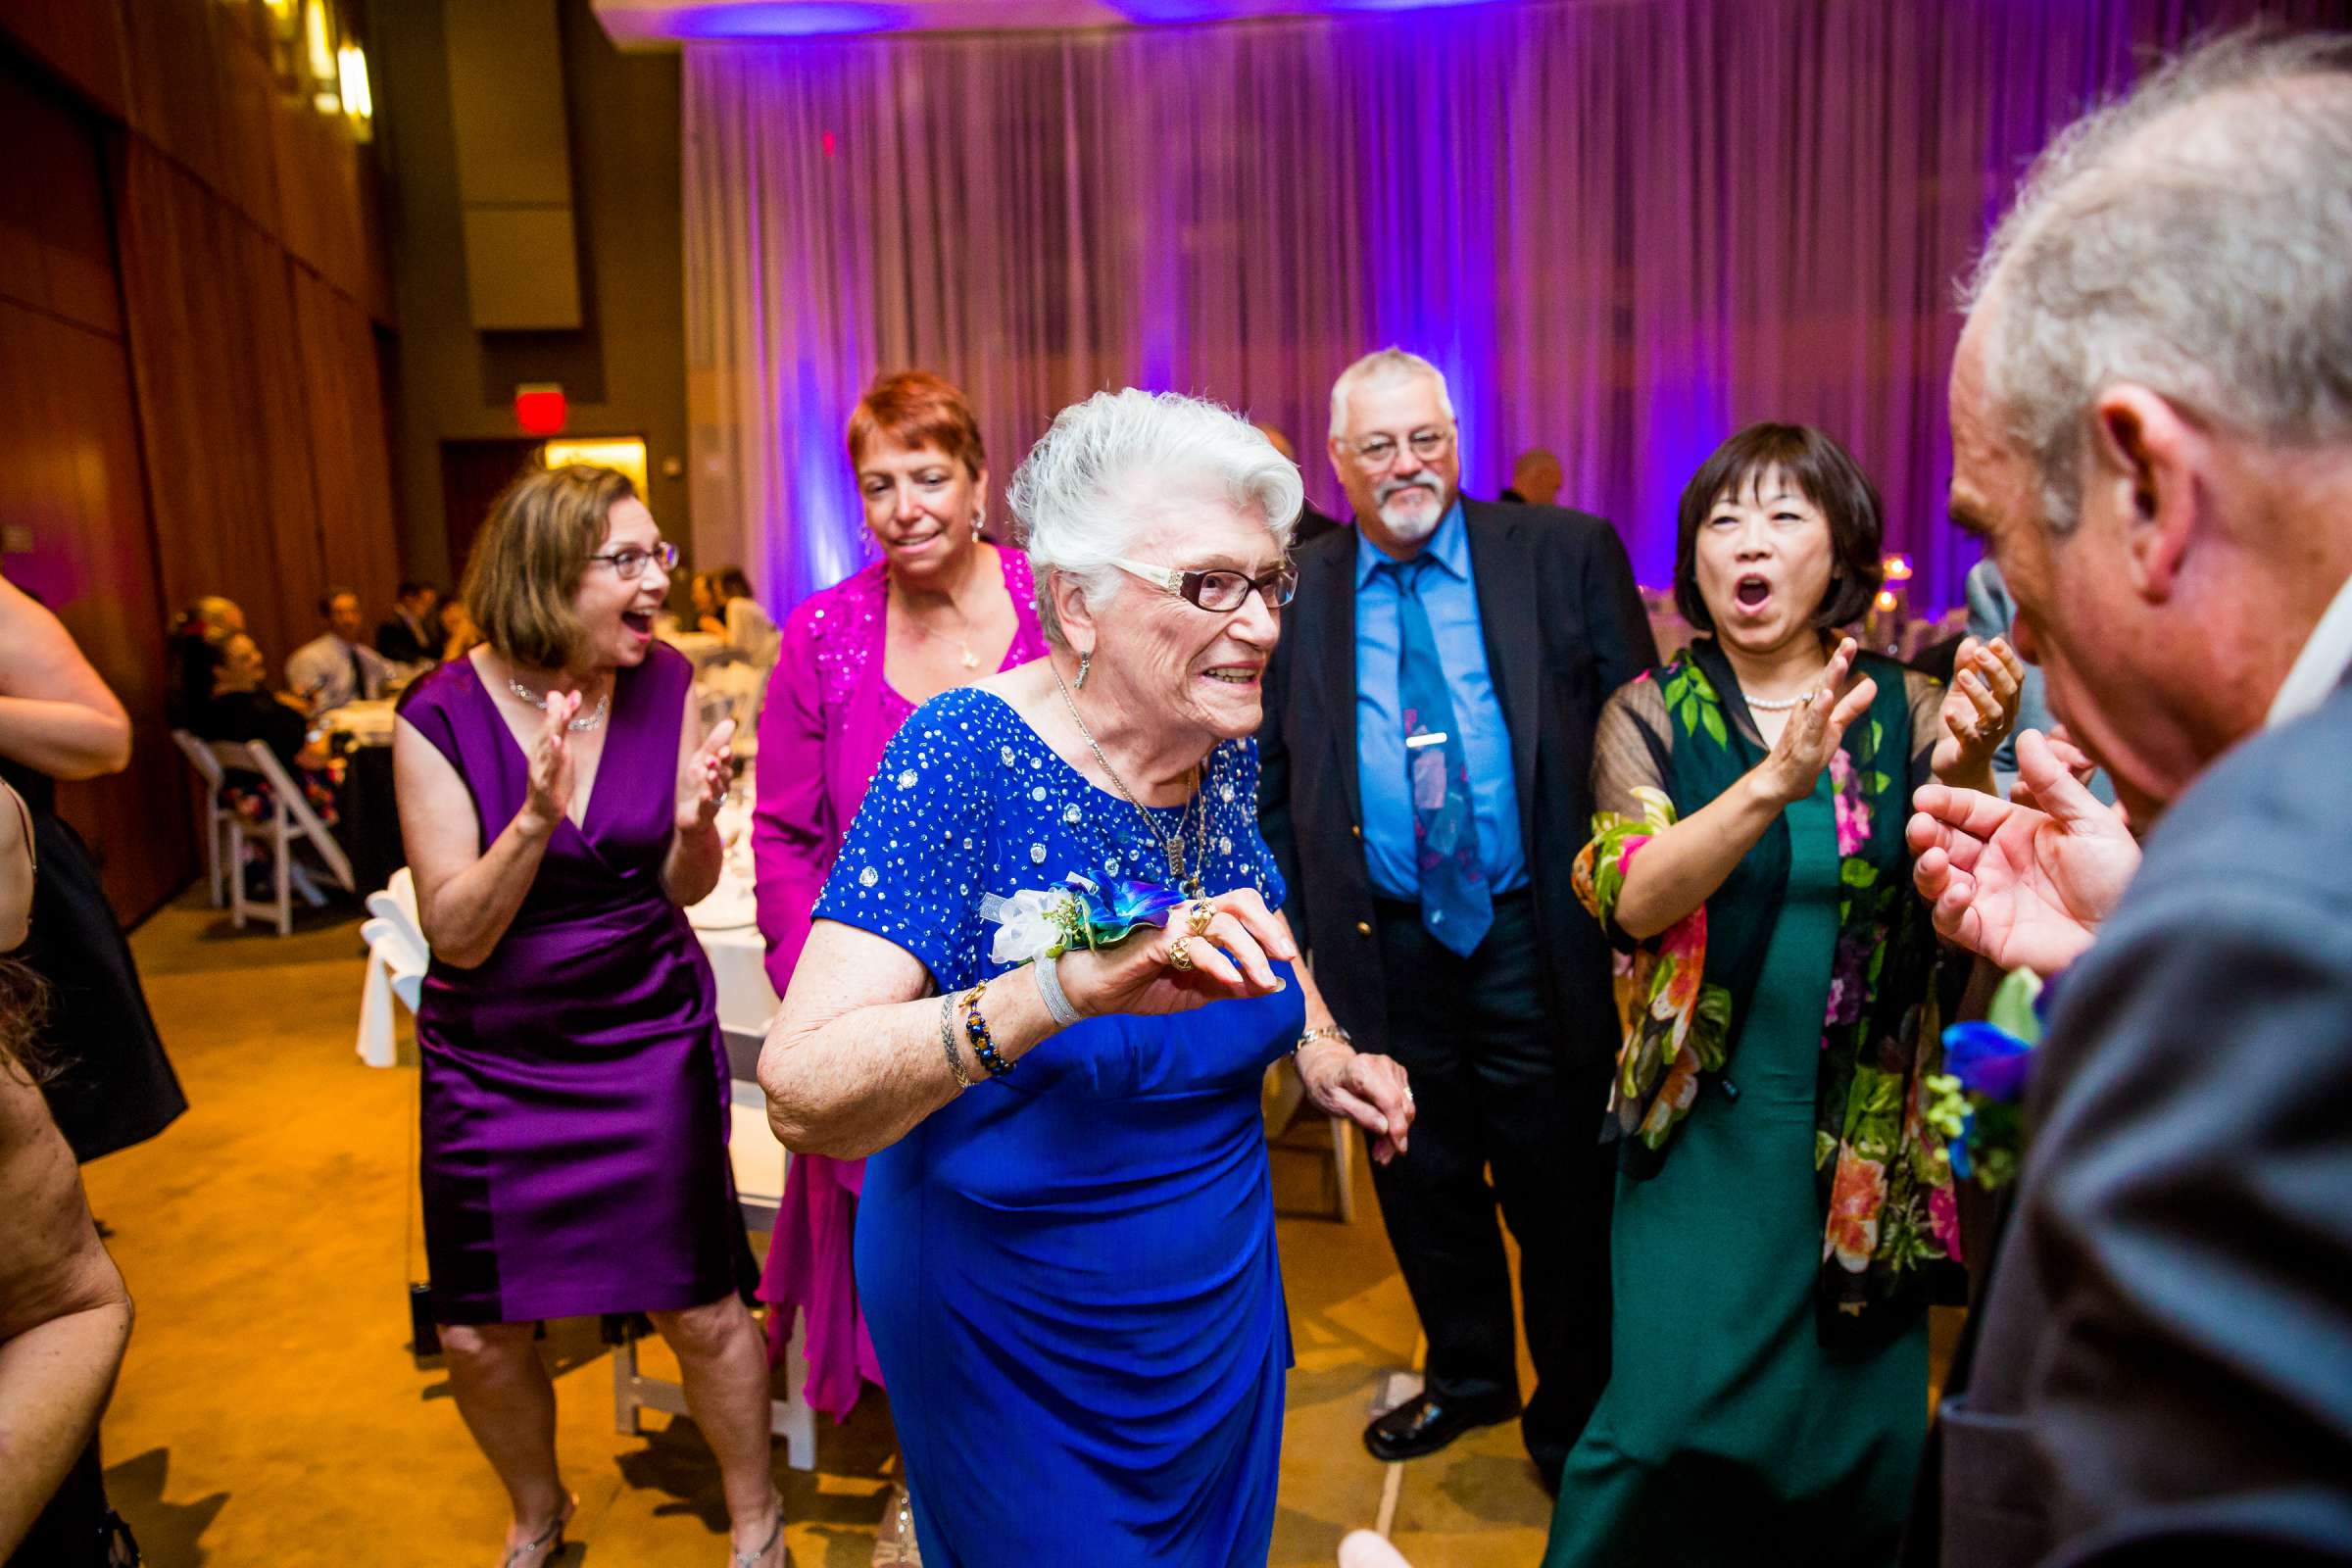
{"x": 1091, "y": 485}
{"x": 2188, "y": 238}
{"x": 1383, "y": 367}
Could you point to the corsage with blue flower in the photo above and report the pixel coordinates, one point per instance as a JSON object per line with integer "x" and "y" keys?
{"x": 1048, "y": 922}
{"x": 1978, "y": 1101}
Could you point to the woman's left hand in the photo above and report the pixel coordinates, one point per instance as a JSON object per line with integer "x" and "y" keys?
{"x": 703, "y": 782}
{"x": 1370, "y": 1091}
{"x": 1987, "y": 680}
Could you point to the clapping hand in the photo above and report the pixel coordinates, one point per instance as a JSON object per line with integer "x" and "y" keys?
{"x": 1810, "y": 737}
{"x": 2024, "y": 885}
{"x": 704, "y": 781}
{"x": 1988, "y": 682}
{"x": 550, "y": 797}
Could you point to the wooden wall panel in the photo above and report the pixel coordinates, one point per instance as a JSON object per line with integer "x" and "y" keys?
{"x": 55, "y": 254}
{"x": 175, "y": 83}
{"x": 82, "y": 40}
{"x": 350, "y": 464}
{"x": 69, "y": 474}
{"x": 212, "y": 337}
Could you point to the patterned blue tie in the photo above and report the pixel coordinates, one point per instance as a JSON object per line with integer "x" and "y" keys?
{"x": 1456, "y": 903}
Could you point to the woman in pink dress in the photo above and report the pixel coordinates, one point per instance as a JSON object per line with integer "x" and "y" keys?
{"x": 941, "y": 607}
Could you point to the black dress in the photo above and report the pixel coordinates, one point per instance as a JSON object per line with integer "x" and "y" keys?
{"x": 111, "y": 1086}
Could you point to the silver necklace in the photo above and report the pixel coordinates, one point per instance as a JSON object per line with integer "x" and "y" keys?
{"x": 1173, "y": 844}
{"x": 584, "y": 721}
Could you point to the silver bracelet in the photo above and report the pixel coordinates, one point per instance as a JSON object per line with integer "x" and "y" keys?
{"x": 947, "y": 1038}
{"x": 1058, "y": 1001}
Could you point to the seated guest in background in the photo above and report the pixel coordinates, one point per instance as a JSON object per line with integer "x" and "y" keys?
{"x": 746, "y": 624}
{"x": 334, "y": 667}
{"x": 1534, "y": 479}
{"x": 1427, "y": 753}
{"x": 456, "y": 628}
{"x": 209, "y": 618}
{"x": 1065, "y": 1250}
{"x": 408, "y": 637}
{"x": 242, "y": 708}
{"x": 702, "y": 593}
{"x": 109, "y": 1085}
{"x": 941, "y": 607}
{"x": 559, "y": 801}
{"x": 1313, "y": 523}
{"x": 2152, "y": 430}
{"x": 65, "y": 1317}
{"x": 1773, "y": 1246}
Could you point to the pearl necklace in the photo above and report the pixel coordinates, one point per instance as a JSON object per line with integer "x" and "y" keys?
{"x": 584, "y": 721}
{"x": 1778, "y": 705}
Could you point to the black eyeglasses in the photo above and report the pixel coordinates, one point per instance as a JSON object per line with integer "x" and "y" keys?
{"x": 628, "y": 563}
{"x": 1222, "y": 592}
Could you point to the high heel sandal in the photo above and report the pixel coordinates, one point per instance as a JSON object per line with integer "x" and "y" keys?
{"x": 754, "y": 1558}
{"x": 549, "y": 1540}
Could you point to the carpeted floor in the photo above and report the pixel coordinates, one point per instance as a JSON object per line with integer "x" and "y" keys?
{"x": 269, "y": 1412}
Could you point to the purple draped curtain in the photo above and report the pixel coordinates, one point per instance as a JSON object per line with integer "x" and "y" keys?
{"x": 1622, "y": 227}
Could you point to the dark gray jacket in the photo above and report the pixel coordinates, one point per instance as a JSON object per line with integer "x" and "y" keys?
{"x": 2162, "y": 1368}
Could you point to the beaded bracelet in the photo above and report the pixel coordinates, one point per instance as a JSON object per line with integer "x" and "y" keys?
{"x": 975, "y": 1030}
{"x": 946, "y": 1040}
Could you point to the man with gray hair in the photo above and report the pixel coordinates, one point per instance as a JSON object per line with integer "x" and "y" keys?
{"x": 1426, "y": 756}
{"x": 2152, "y": 430}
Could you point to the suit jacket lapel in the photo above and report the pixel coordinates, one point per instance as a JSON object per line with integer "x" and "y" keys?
{"x": 1329, "y": 635}
{"x": 1503, "y": 569}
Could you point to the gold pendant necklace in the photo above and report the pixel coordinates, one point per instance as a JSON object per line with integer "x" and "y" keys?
{"x": 1194, "y": 813}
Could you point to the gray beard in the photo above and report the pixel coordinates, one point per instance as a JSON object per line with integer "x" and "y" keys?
{"x": 1412, "y": 528}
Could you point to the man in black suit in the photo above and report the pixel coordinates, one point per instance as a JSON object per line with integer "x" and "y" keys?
{"x": 1426, "y": 754}
{"x": 407, "y": 638}
{"x": 2153, "y": 430}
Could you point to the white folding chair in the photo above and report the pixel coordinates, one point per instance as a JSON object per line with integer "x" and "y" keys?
{"x": 216, "y": 816}
{"x": 290, "y": 818}
{"x": 759, "y": 1163}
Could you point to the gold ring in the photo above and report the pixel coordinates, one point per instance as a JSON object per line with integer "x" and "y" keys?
{"x": 1199, "y": 915}
{"x": 1178, "y": 957}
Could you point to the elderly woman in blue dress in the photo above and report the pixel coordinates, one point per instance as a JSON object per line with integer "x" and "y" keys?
{"x": 1045, "y": 981}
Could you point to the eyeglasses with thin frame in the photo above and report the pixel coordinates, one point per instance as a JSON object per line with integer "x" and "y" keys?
{"x": 1377, "y": 452}
{"x": 1220, "y": 592}
{"x": 628, "y": 561}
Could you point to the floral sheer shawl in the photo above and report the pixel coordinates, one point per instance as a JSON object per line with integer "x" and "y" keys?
{"x": 1669, "y": 742}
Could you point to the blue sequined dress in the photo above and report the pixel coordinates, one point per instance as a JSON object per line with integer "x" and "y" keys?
{"x": 1069, "y": 1272}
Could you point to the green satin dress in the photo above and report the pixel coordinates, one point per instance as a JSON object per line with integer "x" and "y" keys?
{"x": 1729, "y": 1435}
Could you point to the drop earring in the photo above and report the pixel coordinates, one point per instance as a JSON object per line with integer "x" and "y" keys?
{"x": 1085, "y": 662}
{"x": 980, "y": 522}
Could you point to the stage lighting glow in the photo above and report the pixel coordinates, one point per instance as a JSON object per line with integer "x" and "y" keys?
{"x": 784, "y": 19}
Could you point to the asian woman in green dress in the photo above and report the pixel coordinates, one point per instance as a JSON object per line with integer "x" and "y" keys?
{"x": 1784, "y": 1214}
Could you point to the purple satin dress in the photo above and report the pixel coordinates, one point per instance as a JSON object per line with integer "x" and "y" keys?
{"x": 574, "y": 1118}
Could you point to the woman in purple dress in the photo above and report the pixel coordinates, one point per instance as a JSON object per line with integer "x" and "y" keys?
{"x": 558, "y": 798}
{"x": 941, "y": 607}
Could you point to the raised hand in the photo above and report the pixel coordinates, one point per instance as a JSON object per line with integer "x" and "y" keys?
{"x": 1810, "y": 737}
{"x": 550, "y": 797}
{"x": 1988, "y": 682}
{"x": 1371, "y": 1092}
{"x": 703, "y": 778}
{"x": 1232, "y": 956}
{"x": 2026, "y": 887}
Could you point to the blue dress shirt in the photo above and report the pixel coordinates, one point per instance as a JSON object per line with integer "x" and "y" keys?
{"x": 1452, "y": 601}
